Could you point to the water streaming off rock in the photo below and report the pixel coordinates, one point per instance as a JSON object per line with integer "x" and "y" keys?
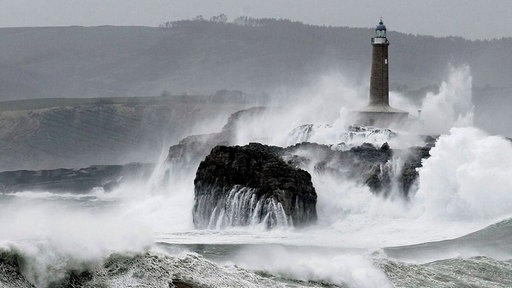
{"x": 241, "y": 207}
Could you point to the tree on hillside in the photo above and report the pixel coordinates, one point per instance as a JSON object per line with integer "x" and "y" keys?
{"x": 222, "y": 18}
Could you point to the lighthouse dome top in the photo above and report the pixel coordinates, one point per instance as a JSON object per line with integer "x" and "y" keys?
{"x": 380, "y": 30}
{"x": 381, "y": 26}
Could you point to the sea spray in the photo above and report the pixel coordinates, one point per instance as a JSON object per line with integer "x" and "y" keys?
{"x": 462, "y": 187}
{"x": 53, "y": 236}
{"x": 467, "y": 177}
{"x": 452, "y": 106}
{"x": 331, "y": 93}
{"x": 322, "y": 264}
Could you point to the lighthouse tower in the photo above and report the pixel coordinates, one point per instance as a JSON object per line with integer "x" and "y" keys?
{"x": 379, "y": 80}
{"x": 378, "y": 112}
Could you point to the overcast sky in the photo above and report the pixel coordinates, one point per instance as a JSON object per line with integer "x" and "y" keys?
{"x": 474, "y": 19}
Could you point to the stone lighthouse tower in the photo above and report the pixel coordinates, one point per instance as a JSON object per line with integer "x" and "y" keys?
{"x": 378, "y": 112}
{"x": 379, "y": 80}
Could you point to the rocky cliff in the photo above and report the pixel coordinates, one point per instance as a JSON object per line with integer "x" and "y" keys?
{"x": 243, "y": 185}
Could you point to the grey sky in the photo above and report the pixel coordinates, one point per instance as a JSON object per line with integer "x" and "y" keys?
{"x": 474, "y": 19}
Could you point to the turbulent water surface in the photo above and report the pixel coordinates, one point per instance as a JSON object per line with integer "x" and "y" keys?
{"x": 454, "y": 229}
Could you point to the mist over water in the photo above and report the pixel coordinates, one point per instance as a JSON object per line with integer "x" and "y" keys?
{"x": 462, "y": 187}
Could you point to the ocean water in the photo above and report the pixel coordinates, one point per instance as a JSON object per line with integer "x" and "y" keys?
{"x": 455, "y": 230}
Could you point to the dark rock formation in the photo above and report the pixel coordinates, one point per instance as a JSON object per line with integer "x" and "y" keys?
{"x": 409, "y": 171}
{"x": 251, "y": 184}
{"x": 367, "y": 164}
{"x": 71, "y": 180}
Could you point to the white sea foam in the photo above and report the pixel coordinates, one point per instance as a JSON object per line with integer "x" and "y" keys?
{"x": 46, "y": 195}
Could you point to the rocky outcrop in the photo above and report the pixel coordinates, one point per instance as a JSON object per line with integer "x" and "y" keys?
{"x": 376, "y": 167}
{"x": 229, "y": 182}
{"x": 72, "y": 180}
{"x": 382, "y": 169}
{"x": 243, "y": 185}
{"x": 408, "y": 174}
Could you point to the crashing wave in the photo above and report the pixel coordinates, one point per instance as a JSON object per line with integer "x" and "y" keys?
{"x": 149, "y": 269}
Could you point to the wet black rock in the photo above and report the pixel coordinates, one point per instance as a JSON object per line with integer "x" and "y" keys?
{"x": 243, "y": 176}
{"x": 382, "y": 169}
{"x": 409, "y": 170}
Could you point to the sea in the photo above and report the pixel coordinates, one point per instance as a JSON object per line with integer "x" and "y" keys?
{"x": 453, "y": 230}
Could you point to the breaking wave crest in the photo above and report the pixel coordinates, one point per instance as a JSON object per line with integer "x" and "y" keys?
{"x": 154, "y": 268}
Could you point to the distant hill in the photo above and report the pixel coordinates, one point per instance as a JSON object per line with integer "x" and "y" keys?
{"x": 204, "y": 56}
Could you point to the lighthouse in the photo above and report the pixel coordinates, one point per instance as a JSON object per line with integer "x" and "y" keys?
{"x": 379, "y": 79}
{"x": 378, "y": 112}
